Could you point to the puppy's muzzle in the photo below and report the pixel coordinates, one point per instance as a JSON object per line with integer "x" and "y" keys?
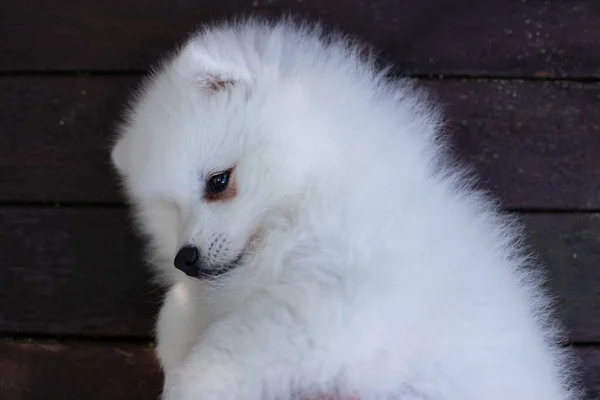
{"x": 190, "y": 261}
{"x": 187, "y": 260}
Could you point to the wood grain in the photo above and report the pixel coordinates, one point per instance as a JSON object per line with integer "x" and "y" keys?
{"x": 590, "y": 370}
{"x": 77, "y": 271}
{"x": 570, "y": 247}
{"x": 495, "y": 37}
{"x": 50, "y": 370}
{"x": 56, "y": 135}
{"x": 95, "y": 371}
{"x": 534, "y": 144}
{"x": 74, "y": 272}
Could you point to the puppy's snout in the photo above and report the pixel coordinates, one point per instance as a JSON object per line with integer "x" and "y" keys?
{"x": 188, "y": 260}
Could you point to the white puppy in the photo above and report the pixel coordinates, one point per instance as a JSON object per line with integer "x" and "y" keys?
{"x": 314, "y": 237}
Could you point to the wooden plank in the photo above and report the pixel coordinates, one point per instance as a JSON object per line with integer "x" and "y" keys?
{"x": 495, "y": 37}
{"x": 76, "y": 271}
{"x": 72, "y": 272}
{"x": 48, "y": 370}
{"x": 569, "y": 245}
{"x": 590, "y": 370}
{"x": 534, "y": 144}
{"x": 56, "y": 136}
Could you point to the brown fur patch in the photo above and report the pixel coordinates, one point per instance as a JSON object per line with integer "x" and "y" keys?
{"x": 214, "y": 84}
{"x": 257, "y": 238}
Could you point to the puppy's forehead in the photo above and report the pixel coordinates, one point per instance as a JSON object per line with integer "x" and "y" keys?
{"x": 183, "y": 113}
{"x": 178, "y": 137}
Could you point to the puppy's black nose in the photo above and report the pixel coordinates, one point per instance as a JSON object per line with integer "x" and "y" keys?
{"x": 187, "y": 260}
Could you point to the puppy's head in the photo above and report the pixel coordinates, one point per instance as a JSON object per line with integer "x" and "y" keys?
{"x": 211, "y": 153}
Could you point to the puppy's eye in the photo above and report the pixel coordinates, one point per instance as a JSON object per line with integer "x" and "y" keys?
{"x": 218, "y": 183}
{"x": 221, "y": 186}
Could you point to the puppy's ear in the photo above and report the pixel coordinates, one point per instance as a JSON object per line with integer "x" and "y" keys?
{"x": 208, "y": 68}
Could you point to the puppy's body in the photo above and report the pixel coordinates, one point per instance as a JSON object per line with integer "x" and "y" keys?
{"x": 359, "y": 260}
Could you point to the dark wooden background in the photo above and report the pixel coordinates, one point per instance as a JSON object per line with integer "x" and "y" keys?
{"x": 520, "y": 81}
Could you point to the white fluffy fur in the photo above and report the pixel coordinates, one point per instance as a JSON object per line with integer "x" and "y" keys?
{"x": 372, "y": 267}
